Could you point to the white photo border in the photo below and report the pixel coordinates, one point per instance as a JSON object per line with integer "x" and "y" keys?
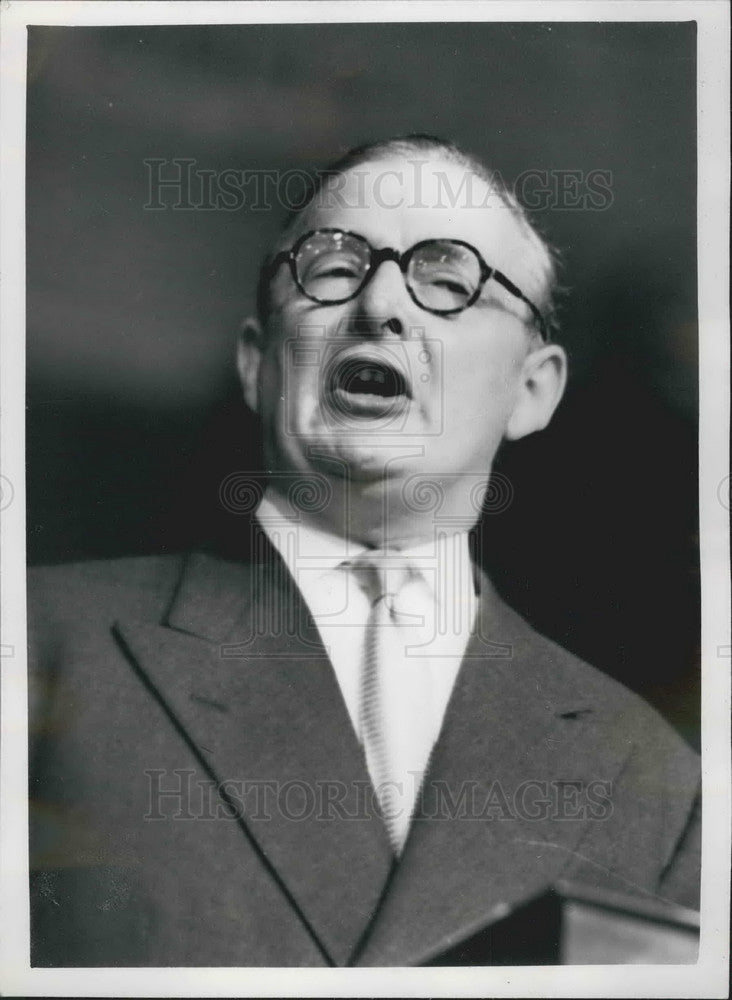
{"x": 708, "y": 978}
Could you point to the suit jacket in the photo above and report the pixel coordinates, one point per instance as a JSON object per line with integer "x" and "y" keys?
{"x": 199, "y": 797}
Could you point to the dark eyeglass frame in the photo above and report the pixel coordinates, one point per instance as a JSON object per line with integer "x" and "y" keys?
{"x": 378, "y": 257}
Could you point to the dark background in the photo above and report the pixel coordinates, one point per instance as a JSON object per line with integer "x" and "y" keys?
{"x": 133, "y": 414}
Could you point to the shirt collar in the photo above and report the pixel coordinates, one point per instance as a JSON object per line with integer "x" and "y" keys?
{"x": 303, "y": 543}
{"x": 296, "y": 535}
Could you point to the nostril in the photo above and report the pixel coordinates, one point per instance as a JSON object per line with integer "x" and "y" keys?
{"x": 374, "y": 326}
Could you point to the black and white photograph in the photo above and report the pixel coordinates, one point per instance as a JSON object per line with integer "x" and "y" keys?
{"x": 365, "y": 499}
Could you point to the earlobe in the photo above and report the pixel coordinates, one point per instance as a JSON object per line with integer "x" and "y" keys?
{"x": 248, "y": 360}
{"x": 542, "y": 383}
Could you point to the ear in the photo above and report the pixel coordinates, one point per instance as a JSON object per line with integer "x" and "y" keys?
{"x": 248, "y": 361}
{"x": 541, "y": 386}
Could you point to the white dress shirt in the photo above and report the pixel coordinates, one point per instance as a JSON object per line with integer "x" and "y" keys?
{"x": 340, "y": 609}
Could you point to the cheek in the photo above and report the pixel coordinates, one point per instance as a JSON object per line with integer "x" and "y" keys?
{"x": 270, "y": 377}
{"x": 482, "y": 386}
{"x": 288, "y": 386}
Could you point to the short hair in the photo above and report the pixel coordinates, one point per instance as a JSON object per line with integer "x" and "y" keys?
{"x": 547, "y": 256}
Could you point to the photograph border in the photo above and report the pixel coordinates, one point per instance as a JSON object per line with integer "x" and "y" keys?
{"x": 708, "y": 978}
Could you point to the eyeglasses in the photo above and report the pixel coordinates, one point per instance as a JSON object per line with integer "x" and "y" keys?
{"x": 442, "y": 276}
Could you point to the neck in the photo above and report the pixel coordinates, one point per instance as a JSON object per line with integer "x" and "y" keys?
{"x": 377, "y": 519}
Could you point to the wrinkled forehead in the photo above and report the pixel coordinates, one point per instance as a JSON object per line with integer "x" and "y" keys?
{"x": 397, "y": 202}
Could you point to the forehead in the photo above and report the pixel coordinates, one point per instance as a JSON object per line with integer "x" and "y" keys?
{"x": 398, "y": 201}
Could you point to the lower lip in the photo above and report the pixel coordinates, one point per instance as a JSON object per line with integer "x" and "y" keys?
{"x": 361, "y": 404}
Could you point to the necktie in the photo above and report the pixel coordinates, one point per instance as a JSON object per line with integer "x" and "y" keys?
{"x": 395, "y": 696}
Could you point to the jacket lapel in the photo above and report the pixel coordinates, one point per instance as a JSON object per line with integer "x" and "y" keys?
{"x": 241, "y": 670}
{"x": 513, "y": 745}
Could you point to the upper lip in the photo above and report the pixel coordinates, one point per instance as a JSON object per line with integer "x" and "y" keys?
{"x": 346, "y": 365}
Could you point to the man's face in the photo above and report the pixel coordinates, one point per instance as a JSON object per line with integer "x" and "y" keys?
{"x": 375, "y": 391}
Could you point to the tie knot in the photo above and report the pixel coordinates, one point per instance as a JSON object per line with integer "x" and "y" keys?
{"x": 382, "y": 574}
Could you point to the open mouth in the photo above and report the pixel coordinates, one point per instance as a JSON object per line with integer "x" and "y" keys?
{"x": 368, "y": 386}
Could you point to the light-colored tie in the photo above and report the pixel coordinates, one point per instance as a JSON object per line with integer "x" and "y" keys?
{"x": 395, "y": 703}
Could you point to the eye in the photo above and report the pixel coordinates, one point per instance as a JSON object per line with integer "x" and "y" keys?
{"x": 333, "y": 270}
{"x": 329, "y": 265}
{"x": 450, "y": 284}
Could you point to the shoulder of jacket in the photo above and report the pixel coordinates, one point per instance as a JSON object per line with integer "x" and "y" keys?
{"x": 87, "y": 590}
{"x": 564, "y": 678}
{"x": 127, "y": 571}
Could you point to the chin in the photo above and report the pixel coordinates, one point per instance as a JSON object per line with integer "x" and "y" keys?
{"x": 359, "y": 460}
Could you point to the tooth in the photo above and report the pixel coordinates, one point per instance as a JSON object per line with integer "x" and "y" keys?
{"x": 380, "y": 377}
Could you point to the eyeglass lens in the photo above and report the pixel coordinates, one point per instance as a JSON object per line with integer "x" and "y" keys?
{"x": 331, "y": 266}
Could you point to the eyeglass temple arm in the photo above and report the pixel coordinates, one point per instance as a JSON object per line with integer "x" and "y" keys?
{"x": 281, "y": 258}
{"x": 510, "y": 287}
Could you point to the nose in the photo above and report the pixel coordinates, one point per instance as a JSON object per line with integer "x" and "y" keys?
{"x": 381, "y": 307}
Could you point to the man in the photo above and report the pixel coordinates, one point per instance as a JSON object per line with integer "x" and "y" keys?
{"x": 337, "y": 745}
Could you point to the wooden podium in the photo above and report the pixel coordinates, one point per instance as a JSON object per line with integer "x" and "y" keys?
{"x": 576, "y": 924}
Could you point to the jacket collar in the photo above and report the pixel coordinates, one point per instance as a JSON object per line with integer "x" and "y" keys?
{"x": 240, "y": 667}
{"x": 488, "y": 837}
